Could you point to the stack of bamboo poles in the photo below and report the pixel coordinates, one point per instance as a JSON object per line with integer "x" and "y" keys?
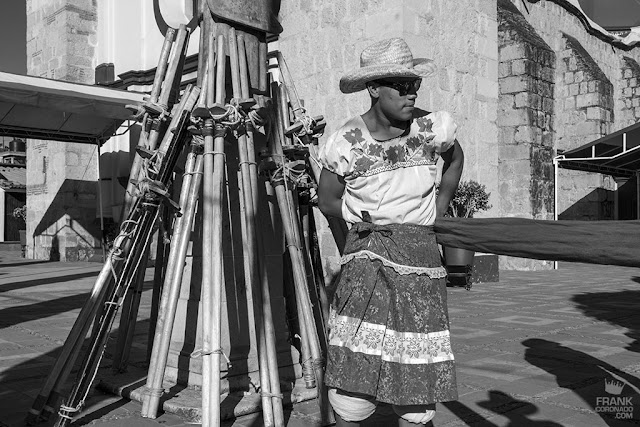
{"x": 208, "y": 116}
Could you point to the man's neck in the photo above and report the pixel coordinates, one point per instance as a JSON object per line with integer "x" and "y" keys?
{"x": 382, "y": 127}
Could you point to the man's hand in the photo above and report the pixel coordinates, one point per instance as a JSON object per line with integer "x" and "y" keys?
{"x": 451, "y": 172}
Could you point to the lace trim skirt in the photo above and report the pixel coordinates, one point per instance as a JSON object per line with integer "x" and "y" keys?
{"x": 389, "y": 325}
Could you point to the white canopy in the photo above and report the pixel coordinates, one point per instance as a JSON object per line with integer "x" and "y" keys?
{"x": 34, "y": 107}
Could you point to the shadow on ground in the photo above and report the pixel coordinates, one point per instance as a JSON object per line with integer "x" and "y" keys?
{"x": 616, "y": 308}
{"x": 581, "y": 373}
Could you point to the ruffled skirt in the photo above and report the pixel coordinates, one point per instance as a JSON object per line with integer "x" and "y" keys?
{"x": 389, "y": 325}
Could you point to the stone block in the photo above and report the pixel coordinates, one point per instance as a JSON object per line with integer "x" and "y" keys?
{"x": 444, "y": 81}
{"x": 383, "y": 25}
{"x": 525, "y": 135}
{"x": 516, "y": 117}
{"x": 519, "y": 66}
{"x": 487, "y": 88}
{"x": 511, "y": 52}
{"x": 569, "y": 77}
{"x": 504, "y": 69}
{"x": 595, "y": 113}
{"x": 574, "y": 89}
{"x": 514, "y": 152}
{"x": 513, "y": 84}
{"x": 522, "y": 99}
{"x": 584, "y": 87}
{"x": 579, "y": 76}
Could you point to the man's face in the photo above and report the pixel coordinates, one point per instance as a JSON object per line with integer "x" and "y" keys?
{"x": 397, "y": 97}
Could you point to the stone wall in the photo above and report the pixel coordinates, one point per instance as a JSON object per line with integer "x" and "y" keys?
{"x": 630, "y": 94}
{"x": 61, "y": 177}
{"x": 525, "y": 117}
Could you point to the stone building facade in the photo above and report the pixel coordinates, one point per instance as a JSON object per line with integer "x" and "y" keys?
{"x": 62, "y": 221}
{"x": 524, "y": 79}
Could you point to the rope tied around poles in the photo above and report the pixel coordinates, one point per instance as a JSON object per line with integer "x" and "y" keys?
{"x": 117, "y": 251}
{"x": 69, "y": 410}
{"x": 267, "y": 394}
{"x": 202, "y": 352}
{"x": 215, "y": 153}
{"x": 154, "y": 392}
{"x": 293, "y": 171}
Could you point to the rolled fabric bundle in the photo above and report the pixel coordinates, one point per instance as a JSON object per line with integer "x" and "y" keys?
{"x": 593, "y": 242}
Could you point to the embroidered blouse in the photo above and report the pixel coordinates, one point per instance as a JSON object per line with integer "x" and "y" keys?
{"x": 392, "y": 180}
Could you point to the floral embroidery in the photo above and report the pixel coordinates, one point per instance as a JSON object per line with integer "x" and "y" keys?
{"x": 401, "y": 347}
{"x": 354, "y": 136}
{"x": 372, "y": 157}
{"x": 414, "y": 143}
{"x": 424, "y": 124}
{"x": 375, "y": 149}
{"x": 363, "y": 163}
{"x": 395, "y": 154}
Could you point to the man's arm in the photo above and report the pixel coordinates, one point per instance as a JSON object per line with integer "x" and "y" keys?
{"x": 330, "y": 191}
{"x": 451, "y": 172}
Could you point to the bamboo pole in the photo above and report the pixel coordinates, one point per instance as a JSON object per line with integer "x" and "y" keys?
{"x": 159, "y": 272}
{"x": 74, "y": 340}
{"x": 305, "y": 347}
{"x": 294, "y": 245}
{"x": 251, "y": 243}
{"x": 302, "y": 210}
{"x": 157, "y": 128}
{"x": 128, "y": 318}
{"x": 147, "y": 121}
{"x": 270, "y": 336}
{"x": 337, "y": 226}
{"x": 212, "y": 291}
{"x": 262, "y": 63}
{"x": 168, "y": 301}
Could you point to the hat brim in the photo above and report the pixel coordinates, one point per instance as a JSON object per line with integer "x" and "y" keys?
{"x": 356, "y": 80}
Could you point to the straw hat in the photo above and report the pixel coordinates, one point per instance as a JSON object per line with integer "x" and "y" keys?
{"x": 386, "y": 59}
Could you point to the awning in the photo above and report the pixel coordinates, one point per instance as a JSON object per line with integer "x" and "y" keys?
{"x": 617, "y": 154}
{"x": 39, "y": 108}
{"x": 13, "y": 177}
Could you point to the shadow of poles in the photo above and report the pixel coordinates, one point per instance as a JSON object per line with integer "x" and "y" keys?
{"x": 617, "y": 308}
{"x": 26, "y": 313}
{"x": 581, "y": 373}
{"x": 46, "y": 281}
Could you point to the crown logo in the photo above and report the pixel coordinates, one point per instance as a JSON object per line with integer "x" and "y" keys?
{"x": 613, "y": 387}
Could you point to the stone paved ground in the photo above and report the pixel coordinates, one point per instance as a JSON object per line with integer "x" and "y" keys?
{"x": 535, "y": 349}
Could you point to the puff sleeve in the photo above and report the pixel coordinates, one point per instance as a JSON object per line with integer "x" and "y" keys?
{"x": 335, "y": 154}
{"x": 445, "y": 129}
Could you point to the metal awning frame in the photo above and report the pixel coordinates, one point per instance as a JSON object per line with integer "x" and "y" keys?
{"x": 593, "y": 163}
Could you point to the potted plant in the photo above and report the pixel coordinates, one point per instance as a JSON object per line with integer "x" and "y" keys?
{"x": 21, "y": 215}
{"x": 470, "y": 197}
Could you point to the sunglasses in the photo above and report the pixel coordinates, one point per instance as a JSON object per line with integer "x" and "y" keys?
{"x": 403, "y": 87}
